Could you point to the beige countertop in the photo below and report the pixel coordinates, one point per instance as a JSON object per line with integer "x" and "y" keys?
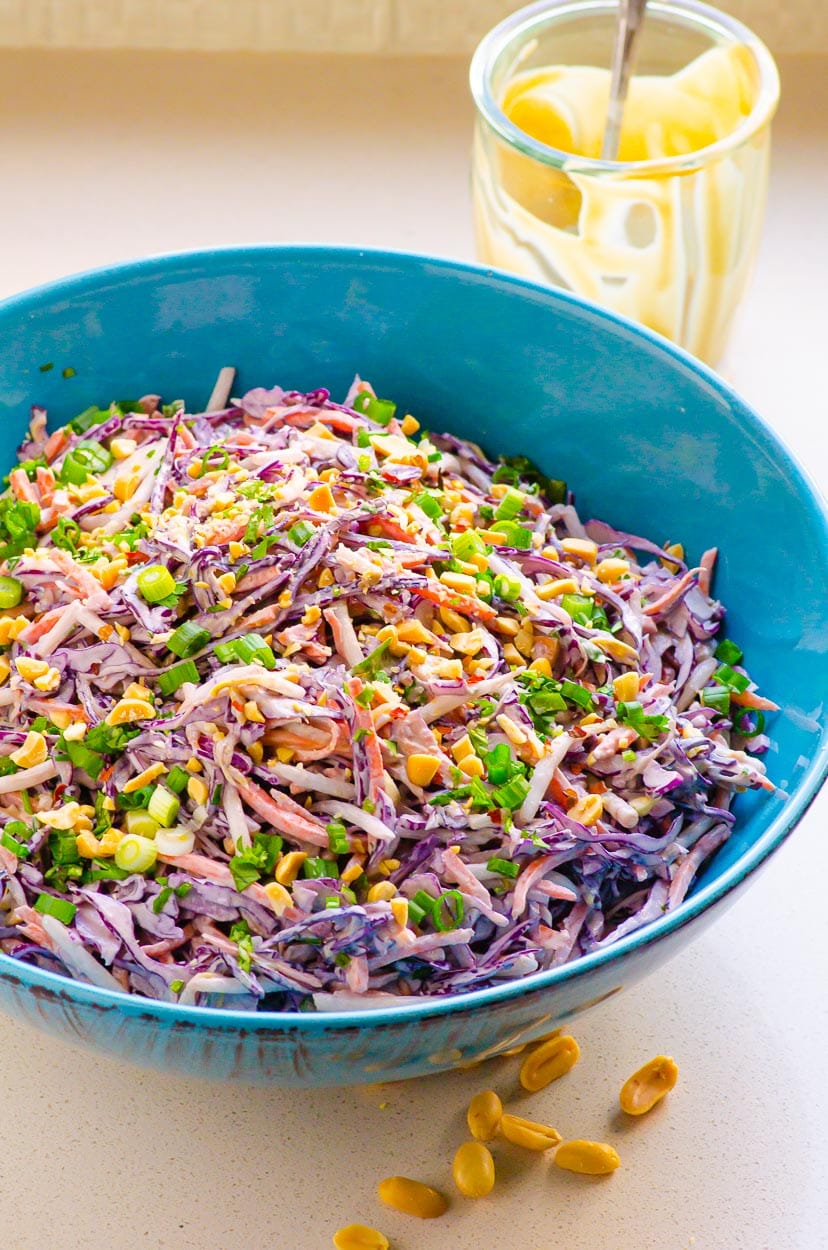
{"x": 108, "y": 156}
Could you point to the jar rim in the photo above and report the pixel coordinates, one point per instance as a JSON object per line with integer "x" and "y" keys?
{"x": 693, "y": 14}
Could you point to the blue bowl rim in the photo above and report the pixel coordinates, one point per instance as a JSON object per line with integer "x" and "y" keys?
{"x": 752, "y": 859}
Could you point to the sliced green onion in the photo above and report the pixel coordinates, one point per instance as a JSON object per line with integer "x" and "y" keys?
{"x": 511, "y": 505}
{"x": 300, "y": 533}
{"x": 646, "y": 726}
{"x": 226, "y": 652}
{"x": 467, "y": 544}
{"x": 177, "y": 778}
{"x": 449, "y": 796}
{"x": 63, "y": 847}
{"x": 103, "y": 870}
{"x": 11, "y": 592}
{"x": 379, "y": 410}
{"x": 499, "y": 764}
{"x": 164, "y": 806}
{"x": 89, "y": 417}
{"x": 332, "y": 902}
{"x": 424, "y": 901}
{"x": 10, "y": 842}
{"x": 728, "y": 652}
{"x": 177, "y": 986}
{"x": 262, "y": 519}
{"x": 135, "y": 853}
{"x": 253, "y": 647}
{"x": 579, "y": 607}
{"x": 175, "y": 677}
{"x": 628, "y": 756}
{"x": 139, "y": 822}
{"x": 60, "y": 908}
{"x": 506, "y": 587}
{"x": 429, "y": 504}
{"x": 81, "y": 757}
{"x": 515, "y": 535}
{"x": 752, "y": 731}
{"x": 416, "y": 914}
{"x": 155, "y": 582}
{"x": 315, "y": 867}
{"x": 717, "y": 698}
{"x": 448, "y": 911}
{"x": 480, "y": 796}
{"x": 373, "y": 661}
{"x": 512, "y": 794}
{"x": 544, "y": 701}
{"x": 576, "y": 694}
{"x": 214, "y": 460}
{"x": 86, "y": 459}
{"x": 188, "y": 639}
{"x": 337, "y": 838}
{"x": 159, "y": 902}
{"x": 504, "y": 866}
{"x": 59, "y": 875}
{"x": 726, "y": 676}
{"x": 135, "y": 800}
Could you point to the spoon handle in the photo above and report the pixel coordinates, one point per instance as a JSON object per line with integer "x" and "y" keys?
{"x": 628, "y": 27}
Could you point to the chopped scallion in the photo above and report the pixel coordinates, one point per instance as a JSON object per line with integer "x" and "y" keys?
{"x": 188, "y": 639}
{"x": 60, "y": 908}
{"x": 155, "y": 582}
{"x": 175, "y": 677}
{"x": 164, "y": 806}
{"x": 504, "y": 866}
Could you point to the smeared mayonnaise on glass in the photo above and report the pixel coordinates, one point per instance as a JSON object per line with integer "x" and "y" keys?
{"x": 672, "y": 250}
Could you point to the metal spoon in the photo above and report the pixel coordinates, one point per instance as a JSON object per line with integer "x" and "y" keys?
{"x": 627, "y": 29}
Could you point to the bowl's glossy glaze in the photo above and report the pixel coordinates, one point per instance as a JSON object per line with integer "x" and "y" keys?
{"x": 648, "y": 438}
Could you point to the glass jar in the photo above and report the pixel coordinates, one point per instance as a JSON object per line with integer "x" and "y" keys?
{"x": 670, "y": 241}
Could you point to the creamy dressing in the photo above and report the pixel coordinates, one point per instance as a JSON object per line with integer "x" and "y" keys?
{"x": 670, "y": 250}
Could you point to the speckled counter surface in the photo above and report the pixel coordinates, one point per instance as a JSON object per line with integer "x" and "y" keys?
{"x": 109, "y": 156}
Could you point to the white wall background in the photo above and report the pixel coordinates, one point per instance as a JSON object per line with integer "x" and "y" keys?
{"x": 443, "y": 27}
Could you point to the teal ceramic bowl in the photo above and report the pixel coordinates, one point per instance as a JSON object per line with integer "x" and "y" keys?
{"x": 648, "y": 438}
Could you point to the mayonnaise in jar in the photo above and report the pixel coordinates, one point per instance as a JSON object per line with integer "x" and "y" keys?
{"x": 665, "y": 235}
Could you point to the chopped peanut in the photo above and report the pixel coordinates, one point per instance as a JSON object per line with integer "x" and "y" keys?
{"x": 381, "y": 892}
{"x": 590, "y": 1158}
{"x": 321, "y": 499}
{"x": 289, "y": 866}
{"x": 641, "y": 1091}
{"x": 422, "y": 769}
{"x": 588, "y": 810}
{"x": 611, "y": 569}
{"x": 554, "y": 590}
{"x": 144, "y": 778}
{"x": 33, "y": 751}
{"x": 625, "y": 687}
{"x": 412, "y": 1197}
{"x": 548, "y": 1062}
{"x": 583, "y": 548}
{"x": 197, "y": 790}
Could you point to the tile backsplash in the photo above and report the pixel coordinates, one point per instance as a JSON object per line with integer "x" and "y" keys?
{"x": 395, "y": 27}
